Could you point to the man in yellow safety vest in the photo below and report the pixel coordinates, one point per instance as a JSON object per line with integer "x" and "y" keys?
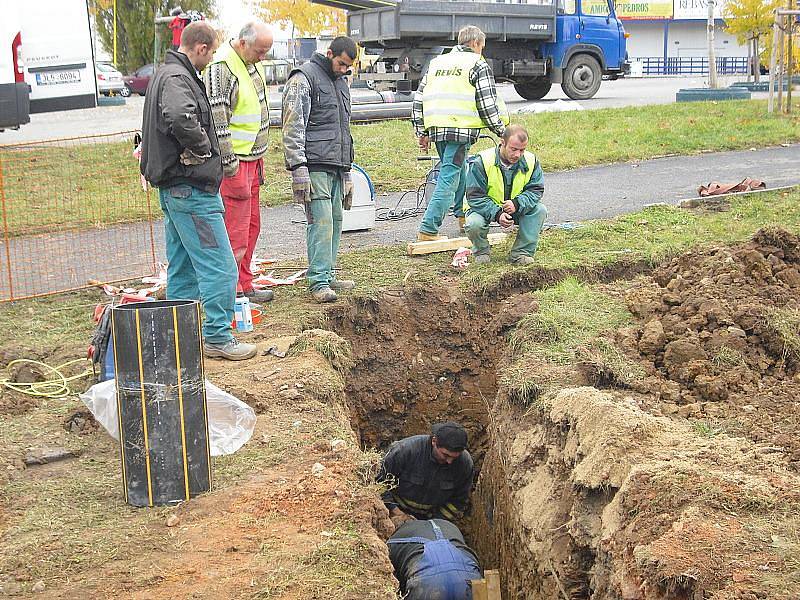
{"x": 505, "y": 185}
{"x": 237, "y": 89}
{"x": 454, "y": 101}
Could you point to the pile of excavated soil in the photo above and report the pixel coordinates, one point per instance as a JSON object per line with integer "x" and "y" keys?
{"x": 587, "y": 495}
{"x": 719, "y": 336}
{"x": 679, "y": 481}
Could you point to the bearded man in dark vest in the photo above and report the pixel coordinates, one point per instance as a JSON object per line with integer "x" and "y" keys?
{"x": 318, "y": 149}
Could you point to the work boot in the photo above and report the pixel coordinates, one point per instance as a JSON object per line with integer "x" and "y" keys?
{"x": 260, "y": 295}
{"x": 323, "y": 295}
{"x": 337, "y": 285}
{"x": 429, "y": 237}
{"x": 522, "y": 260}
{"x": 482, "y": 259}
{"x": 230, "y": 350}
{"x": 462, "y": 222}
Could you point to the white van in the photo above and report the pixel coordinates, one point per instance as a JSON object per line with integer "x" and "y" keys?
{"x": 59, "y": 59}
{"x": 14, "y": 92}
{"x": 50, "y": 44}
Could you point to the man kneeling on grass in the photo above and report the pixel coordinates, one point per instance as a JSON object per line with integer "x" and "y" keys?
{"x": 505, "y": 185}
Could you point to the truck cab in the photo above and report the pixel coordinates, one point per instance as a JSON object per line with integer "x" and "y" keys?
{"x": 589, "y": 44}
{"x": 575, "y": 43}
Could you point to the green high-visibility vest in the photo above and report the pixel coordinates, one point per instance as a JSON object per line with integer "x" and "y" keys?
{"x": 496, "y": 184}
{"x": 246, "y": 117}
{"x": 449, "y": 98}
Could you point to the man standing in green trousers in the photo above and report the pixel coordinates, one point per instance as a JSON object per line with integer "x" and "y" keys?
{"x": 505, "y": 185}
{"x": 318, "y": 149}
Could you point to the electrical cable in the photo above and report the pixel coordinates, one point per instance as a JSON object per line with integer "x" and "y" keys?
{"x": 397, "y": 213}
{"x": 55, "y": 387}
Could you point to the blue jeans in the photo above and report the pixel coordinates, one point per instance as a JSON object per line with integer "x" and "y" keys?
{"x": 201, "y": 263}
{"x": 324, "y": 229}
{"x": 450, "y": 185}
{"x": 530, "y": 222}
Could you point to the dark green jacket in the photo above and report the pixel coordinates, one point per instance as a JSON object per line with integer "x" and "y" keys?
{"x": 477, "y": 185}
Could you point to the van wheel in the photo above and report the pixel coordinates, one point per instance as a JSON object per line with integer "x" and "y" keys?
{"x": 533, "y": 89}
{"x": 582, "y": 77}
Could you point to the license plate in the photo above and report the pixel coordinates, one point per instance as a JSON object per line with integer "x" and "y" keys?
{"x": 56, "y": 77}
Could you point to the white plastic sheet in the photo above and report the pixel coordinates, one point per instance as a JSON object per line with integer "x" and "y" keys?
{"x": 230, "y": 421}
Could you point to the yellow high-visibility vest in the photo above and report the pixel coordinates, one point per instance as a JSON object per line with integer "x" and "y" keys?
{"x": 246, "y": 116}
{"x": 449, "y": 98}
{"x": 496, "y": 184}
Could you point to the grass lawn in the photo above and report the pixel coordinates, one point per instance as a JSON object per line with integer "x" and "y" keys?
{"x": 103, "y": 529}
{"x": 97, "y": 184}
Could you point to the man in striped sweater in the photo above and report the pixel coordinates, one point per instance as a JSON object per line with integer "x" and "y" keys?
{"x": 237, "y": 89}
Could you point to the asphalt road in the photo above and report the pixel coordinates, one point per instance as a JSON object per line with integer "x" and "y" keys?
{"x": 113, "y": 119}
{"x": 577, "y": 195}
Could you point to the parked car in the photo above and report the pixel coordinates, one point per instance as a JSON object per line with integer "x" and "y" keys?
{"x": 137, "y": 83}
{"x": 109, "y": 80}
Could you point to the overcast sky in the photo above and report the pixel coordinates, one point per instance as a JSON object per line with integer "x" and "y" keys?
{"x": 235, "y": 13}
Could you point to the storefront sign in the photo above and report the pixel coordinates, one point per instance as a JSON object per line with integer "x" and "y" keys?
{"x": 698, "y": 9}
{"x": 633, "y": 9}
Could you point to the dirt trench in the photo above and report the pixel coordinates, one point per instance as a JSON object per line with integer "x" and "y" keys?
{"x": 425, "y": 356}
{"x": 670, "y": 481}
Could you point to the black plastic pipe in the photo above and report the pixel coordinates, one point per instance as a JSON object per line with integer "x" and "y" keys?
{"x": 161, "y": 401}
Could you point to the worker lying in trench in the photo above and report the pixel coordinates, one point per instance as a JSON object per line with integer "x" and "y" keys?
{"x": 432, "y": 562}
{"x": 428, "y": 476}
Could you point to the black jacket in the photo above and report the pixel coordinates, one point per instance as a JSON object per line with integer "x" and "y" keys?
{"x": 177, "y": 116}
{"x": 419, "y": 485}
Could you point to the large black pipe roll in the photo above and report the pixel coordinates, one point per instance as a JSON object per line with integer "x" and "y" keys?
{"x": 161, "y": 401}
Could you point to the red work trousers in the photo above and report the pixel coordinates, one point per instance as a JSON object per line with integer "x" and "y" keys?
{"x": 243, "y": 216}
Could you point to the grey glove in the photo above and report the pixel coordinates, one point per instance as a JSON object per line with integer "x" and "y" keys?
{"x": 301, "y": 190}
{"x": 347, "y": 191}
{"x": 190, "y": 158}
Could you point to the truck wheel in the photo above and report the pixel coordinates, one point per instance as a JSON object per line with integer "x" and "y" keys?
{"x": 534, "y": 89}
{"x": 582, "y": 77}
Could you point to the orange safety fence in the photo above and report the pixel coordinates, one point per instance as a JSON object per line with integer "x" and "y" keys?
{"x": 73, "y": 214}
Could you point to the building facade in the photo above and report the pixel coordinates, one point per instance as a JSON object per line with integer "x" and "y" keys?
{"x": 668, "y": 37}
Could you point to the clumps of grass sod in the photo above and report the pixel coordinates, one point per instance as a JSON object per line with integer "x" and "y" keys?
{"x": 727, "y": 358}
{"x": 334, "y": 348}
{"x": 785, "y": 323}
{"x": 570, "y": 314}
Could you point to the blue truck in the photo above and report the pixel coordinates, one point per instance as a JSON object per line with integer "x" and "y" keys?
{"x": 574, "y": 43}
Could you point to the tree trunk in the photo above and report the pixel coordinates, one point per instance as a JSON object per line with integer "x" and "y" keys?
{"x": 756, "y": 60}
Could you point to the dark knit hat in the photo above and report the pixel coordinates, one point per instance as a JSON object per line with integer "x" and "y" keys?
{"x": 451, "y": 436}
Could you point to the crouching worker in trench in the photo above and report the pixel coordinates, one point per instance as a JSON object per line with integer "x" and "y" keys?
{"x": 429, "y": 476}
{"x": 432, "y": 561}
{"x": 505, "y": 185}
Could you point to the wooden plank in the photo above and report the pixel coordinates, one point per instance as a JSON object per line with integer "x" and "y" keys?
{"x": 492, "y": 584}
{"x": 446, "y": 244}
{"x": 479, "y": 590}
